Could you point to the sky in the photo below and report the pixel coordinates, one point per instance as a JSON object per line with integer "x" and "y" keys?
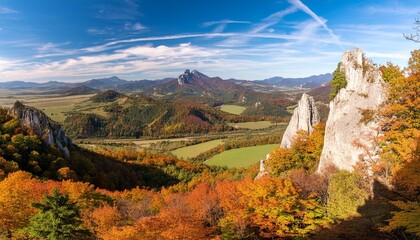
{"x": 77, "y": 40}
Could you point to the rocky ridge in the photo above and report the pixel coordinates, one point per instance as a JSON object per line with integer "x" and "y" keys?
{"x": 351, "y": 126}
{"x": 305, "y": 116}
{"x": 49, "y": 131}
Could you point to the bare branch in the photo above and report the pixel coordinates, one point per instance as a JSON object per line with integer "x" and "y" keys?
{"x": 415, "y": 37}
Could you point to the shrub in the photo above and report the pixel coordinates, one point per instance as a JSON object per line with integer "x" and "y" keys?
{"x": 338, "y": 82}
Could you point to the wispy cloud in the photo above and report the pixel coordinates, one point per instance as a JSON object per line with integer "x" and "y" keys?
{"x": 261, "y": 26}
{"x": 298, "y": 4}
{"x": 395, "y": 10}
{"x": 134, "y": 26}
{"x": 118, "y": 10}
{"x": 222, "y": 24}
{"x": 5, "y": 10}
{"x": 95, "y": 31}
{"x": 225, "y": 21}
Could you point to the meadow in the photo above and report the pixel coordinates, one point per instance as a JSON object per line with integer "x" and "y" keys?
{"x": 252, "y": 125}
{"x": 233, "y": 109}
{"x": 241, "y": 157}
{"x": 195, "y": 150}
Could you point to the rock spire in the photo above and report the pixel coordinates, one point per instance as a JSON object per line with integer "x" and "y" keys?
{"x": 305, "y": 116}
{"x": 351, "y": 125}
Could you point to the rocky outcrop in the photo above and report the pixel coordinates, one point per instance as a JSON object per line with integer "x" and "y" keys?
{"x": 49, "y": 131}
{"x": 351, "y": 126}
{"x": 263, "y": 168}
{"x": 187, "y": 76}
{"x": 305, "y": 116}
{"x": 184, "y": 78}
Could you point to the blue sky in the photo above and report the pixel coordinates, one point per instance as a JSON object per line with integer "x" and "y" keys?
{"x": 75, "y": 40}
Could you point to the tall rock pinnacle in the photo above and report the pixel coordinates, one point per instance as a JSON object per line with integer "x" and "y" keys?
{"x": 304, "y": 118}
{"x": 351, "y": 126}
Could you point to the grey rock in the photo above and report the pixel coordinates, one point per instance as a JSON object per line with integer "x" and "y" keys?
{"x": 305, "y": 116}
{"x": 46, "y": 129}
{"x": 346, "y": 127}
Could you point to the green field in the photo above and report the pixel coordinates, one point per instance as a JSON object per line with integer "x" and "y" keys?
{"x": 234, "y": 109}
{"x": 252, "y": 125}
{"x": 241, "y": 157}
{"x": 195, "y": 150}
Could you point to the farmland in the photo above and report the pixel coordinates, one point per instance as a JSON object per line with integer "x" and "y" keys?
{"x": 241, "y": 157}
{"x": 195, "y": 150}
{"x": 234, "y": 109}
{"x": 252, "y": 125}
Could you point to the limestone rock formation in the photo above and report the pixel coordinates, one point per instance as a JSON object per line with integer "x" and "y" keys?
{"x": 263, "y": 169}
{"x": 351, "y": 126}
{"x": 184, "y": 78}
{"x": 304, "y": 118}
{"x": 187, "y": 76}
{"x": 49, "y": 131}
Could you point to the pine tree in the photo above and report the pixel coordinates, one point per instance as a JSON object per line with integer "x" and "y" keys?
{"x": 58, "y": 219}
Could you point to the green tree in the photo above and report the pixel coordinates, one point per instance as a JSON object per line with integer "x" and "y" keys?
{"x": 58, "y": 219}
{"x": 338, "y": 82}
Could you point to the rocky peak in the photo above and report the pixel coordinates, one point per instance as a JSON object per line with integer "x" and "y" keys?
{"x": 49, "y": 131}
{"x": 305, "y": 116}
{"x": 351, "y": 122}
{"x": 187, "y": 76}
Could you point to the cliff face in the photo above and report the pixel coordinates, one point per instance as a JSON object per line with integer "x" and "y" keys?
{"x": 50, "y": 132}
{"x": 305, "y": 116}
{"x": 351, "y": 125}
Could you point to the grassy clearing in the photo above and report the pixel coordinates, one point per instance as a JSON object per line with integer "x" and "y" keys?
{"x": 195, "y": 150}
{"x": 252, "y": 125}
{"x": 233, "y": 109}
{"x": 241, "y": 157}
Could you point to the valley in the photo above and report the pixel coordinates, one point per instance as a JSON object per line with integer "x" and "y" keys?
{"x": 209, "y": 120}
{"x": 187, "y": 126}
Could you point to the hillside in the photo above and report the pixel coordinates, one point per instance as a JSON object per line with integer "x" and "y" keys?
{"x": 80, "y": 90}
{"x": 141, "y": 115}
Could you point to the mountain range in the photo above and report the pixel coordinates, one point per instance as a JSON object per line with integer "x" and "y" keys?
{"x": 192, "y": 82}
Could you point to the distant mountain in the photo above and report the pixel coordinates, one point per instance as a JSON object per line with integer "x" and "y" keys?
{"x": 104, "y": 83}
{"x": 18, "y": 84}
{"x": 141, "y": 84}
{"x": 322, "y": 93}
{"x": 307, "y": 82}
{"x": 195, "y": 83}
{"x": 80, "y": 90}
{"x": 191, "y": 83}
